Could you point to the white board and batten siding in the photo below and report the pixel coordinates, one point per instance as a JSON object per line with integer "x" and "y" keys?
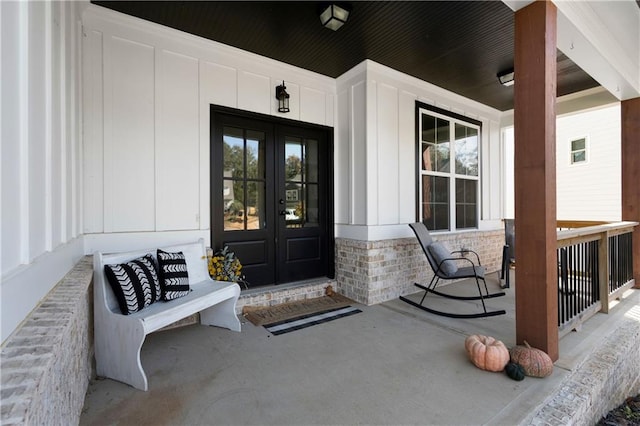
{"x": 147, "y": 123}
{"x": 376, "y": 198}
{"x": 41, "y": 161}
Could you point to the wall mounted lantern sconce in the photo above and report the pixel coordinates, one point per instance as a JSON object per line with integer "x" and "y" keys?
{"x": 333, "y": 16}
{"x": 283, "y": 98}
{"x": 506, "y": 78}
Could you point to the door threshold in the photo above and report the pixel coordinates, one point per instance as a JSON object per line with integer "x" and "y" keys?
{"x": 273, "y": 288}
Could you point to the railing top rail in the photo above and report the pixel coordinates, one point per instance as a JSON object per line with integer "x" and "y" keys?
{"x": 579, "y": 223}
{"x": 593, "y": 230}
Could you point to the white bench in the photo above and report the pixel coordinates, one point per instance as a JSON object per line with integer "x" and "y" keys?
{"x": 119, "y": 338}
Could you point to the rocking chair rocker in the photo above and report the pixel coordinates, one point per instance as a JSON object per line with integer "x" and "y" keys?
{"x": 445, "y": 267}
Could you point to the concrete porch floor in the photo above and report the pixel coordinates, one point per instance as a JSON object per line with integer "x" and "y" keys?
{"x": 391, "y": 364}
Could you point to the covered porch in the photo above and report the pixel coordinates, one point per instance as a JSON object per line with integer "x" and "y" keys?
{"x": 110, "y": 149}
{"x": 390, "y": 364}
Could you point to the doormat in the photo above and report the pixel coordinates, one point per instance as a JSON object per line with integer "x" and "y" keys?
{"x": 305, "y": 321}
{"x": 285, "y": 311}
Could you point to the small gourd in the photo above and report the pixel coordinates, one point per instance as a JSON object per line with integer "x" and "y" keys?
{"x": 486, "y": 353}
{"x": 514, "y": 371}
{"x": 535, "y": 362}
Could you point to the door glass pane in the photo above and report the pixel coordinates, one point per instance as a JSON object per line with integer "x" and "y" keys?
{"x": 301, "y": 172}
{"x": 293, "y": 160}
{"x": 244, "y": 179}
{"x": 311, "y": 160}
{"x": 255, "y": 155}
{"x": 233, "y": 151}
{"x": 294, "y": 205}
{"x": 256, "y": 205}
{"x": 234, "y": 211}
{"x": 312, "y": 210}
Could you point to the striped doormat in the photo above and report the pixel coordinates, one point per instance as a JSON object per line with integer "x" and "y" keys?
{"x": 305, "y": 321}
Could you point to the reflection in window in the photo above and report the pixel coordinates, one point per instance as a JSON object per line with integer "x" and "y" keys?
{"x": 466, "y": 150}
{"x": 244, "y": 179}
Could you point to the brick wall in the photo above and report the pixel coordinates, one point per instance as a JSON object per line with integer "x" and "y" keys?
{"x": 274, "y": 295}
{"x": 603, "y": 381}
{"x": 372, "y": 272}
{"x": 47, "y": 362}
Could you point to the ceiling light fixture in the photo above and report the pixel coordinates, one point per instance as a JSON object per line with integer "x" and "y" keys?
{"x": 283, "y": 98}
{"x": 506, "y": 78}
{"x": 333, "y": 16}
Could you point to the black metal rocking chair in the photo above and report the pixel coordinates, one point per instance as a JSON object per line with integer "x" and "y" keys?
{"x": 445, "y": 267}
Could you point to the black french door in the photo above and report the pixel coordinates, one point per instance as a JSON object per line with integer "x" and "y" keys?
{"x": 271, "y": 193}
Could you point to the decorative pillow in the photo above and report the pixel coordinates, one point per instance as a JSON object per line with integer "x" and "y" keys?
{"x": 135, "y": 283}
{"x": 174, "y": 278}
{"x": 440, "y": 253}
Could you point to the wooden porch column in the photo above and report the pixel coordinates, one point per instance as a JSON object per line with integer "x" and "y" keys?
{"x": 630, "y": 124}
{"x": 535, "y": 176}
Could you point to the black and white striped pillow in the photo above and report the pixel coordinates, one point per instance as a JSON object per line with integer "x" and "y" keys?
{"x": 134, "y": 283}
{"x": 174, "y": 278}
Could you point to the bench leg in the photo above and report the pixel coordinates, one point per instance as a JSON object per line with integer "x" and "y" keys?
{"x": 222, "y": 315}
{"x": 118, "y": 354}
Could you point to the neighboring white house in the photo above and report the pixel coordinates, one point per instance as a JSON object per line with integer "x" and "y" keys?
{"x": 588, "y": 180}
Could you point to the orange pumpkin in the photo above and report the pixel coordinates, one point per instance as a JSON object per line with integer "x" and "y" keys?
{"x": 535, "y": 362}
{"x": 486, "y": 352}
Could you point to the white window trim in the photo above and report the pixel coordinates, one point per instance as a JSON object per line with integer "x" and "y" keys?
{"x": 452, "y": 175}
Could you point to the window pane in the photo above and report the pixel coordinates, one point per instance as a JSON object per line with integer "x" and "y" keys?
{"x": 441, "y": 189}
{"x": 427, "y": 163}
{"x": 441, "y": 157}
{"x": 441, "y": 217}
{"x": 442, "y": 130}
{"x": 466, "y": 149}
{"x": 466, "y": 205}
{"x": 578, "y": 157}
{"x": 577, "y": 145}
{"x": 428, "y": 128}
{"x": 435, "y": 202}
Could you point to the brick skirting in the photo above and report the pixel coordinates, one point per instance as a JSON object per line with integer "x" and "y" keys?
{"x": 606, "y": 377}
{"x": 372, "y": 272}
{"x": 47, "y": 362}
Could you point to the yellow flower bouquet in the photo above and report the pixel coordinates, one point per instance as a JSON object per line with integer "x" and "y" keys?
{"x": 225, "y": 266}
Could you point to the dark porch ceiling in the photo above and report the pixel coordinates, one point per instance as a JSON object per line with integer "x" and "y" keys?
{"x": 456, "y": 45}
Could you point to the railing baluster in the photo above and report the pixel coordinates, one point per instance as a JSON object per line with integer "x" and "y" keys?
{"x": 592, "y": 267}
